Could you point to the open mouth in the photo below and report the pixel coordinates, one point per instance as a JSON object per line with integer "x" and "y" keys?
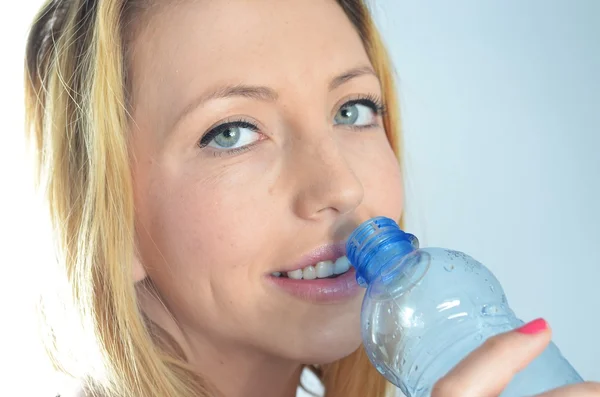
{"x": 324, "y": 269}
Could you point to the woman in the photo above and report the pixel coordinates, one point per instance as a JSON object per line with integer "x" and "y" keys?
{"x": 204, "y": 162}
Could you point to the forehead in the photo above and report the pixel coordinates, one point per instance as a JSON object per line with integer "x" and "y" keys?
{"x": 188, "y": 46}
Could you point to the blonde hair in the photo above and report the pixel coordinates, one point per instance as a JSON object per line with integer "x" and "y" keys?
{"x": 77, "y": 100}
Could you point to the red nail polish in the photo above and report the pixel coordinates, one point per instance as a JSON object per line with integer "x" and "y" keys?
{"x": 534, "y": 327}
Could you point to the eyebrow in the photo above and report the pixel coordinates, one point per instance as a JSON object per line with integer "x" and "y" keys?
{"x": 262, "y": 93}
{"x": 349, "y": 75}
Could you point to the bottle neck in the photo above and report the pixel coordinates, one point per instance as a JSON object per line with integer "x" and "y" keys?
{"x": 375, "y": 245}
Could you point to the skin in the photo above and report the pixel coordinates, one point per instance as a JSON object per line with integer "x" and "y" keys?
{"x": 212, "y": 225}
{"x": 489, "y": 369}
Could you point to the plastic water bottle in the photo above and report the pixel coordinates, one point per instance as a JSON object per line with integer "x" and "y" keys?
{"x": 427, "y": 309}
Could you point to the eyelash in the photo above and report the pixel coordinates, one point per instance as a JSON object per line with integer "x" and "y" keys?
{"x": 371, "y": 101}
{"x": 213, "y": 132}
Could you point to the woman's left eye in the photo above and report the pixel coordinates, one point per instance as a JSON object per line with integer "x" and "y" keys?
{"x": 231, "y": 136}
{"x": 358, "y": 113}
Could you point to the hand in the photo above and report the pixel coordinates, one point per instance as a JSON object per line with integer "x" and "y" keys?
{"x": 490, "y": 368}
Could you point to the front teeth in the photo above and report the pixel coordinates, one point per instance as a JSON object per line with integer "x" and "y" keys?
{"x": 324, "y": 269}
{"x": 342, "y": 265}
{"x": 309, "y": 273}
{"x": 321, "y": 270}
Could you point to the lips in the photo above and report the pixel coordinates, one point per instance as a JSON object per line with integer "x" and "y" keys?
{"x": 325, "y": 290}
{"x": 326, "y": 252}
{"x": 324, "y": 275}
{"x": 323, "y": 269}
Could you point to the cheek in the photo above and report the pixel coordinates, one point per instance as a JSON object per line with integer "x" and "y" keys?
{"x": 198, "y": 246}
{"x": 379, "y": 171}
{"x": 206, "y": 229}
{"x": 197, "y": 225}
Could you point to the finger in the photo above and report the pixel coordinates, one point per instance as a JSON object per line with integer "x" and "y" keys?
{"x": 586, "y": 389}
{"x": 489, "y": 369}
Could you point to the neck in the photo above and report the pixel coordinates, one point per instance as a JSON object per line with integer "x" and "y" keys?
{"x": 241, "y": 371}
{"x": 233, "y": 369}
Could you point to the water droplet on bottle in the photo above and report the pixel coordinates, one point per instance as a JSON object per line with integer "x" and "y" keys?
{"x": 448, "y": 267}
{"x": 403, "y": 361}
{"x": 492, "y": 288}
{"x": 379, "y": 368}
{"x": 490, "y": 310}
{"x": 478, "y": 337}
{"x": 416, "y": 368}
{"x": 389, "y": 310}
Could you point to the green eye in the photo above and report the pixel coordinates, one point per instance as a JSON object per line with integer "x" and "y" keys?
{"x": 356, "y": 114}
{"x": 347, "y": 115}
{"x": 228, "y": 137}
{"x": 231, "y": 136}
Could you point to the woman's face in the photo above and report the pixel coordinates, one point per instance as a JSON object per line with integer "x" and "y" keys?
{"x": 258, "y": 147}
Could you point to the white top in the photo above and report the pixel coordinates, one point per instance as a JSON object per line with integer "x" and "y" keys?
{"x": 312, "y": 383}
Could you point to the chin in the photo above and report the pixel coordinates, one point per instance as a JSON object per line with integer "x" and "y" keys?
{"x": 327, "y": 357}
{"x": 329, "y": 347}
{"x": 331, "y": 356}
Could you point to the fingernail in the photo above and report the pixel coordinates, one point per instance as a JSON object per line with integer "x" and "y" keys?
{"x": 534, "y": 327}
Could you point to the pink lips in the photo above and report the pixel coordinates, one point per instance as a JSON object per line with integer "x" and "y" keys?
{"x": 325, "y": 290}
{"x": 328, "y": 252}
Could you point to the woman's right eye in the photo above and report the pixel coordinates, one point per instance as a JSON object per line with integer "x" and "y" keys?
{"x": 231, "y": 136}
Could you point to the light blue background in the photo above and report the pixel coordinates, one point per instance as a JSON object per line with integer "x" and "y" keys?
{"x": 501, "y": 106}
{"x": 501, "y": 115}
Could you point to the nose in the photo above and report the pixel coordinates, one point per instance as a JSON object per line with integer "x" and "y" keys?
{"x": 326, "y": 182}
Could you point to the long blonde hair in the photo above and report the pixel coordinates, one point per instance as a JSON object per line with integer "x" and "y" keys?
{"x": 77, "y": 100}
